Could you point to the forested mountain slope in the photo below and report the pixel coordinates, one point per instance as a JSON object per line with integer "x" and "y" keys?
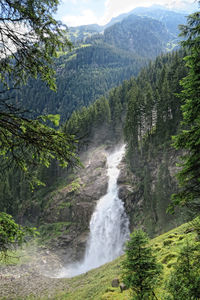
{"x": 170, "y": 19}
{"x": 80, "y": 33}
{"x": 149, "y": 111}
{"x": 83, "y": 75}
{"x": 144, "y": 109}
{"x": 153, "y": 117}
{"x": 97, "y": 64}
{"x": 142, "y": 35}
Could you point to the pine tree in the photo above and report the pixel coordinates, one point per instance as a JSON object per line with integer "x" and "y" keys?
{"x": 140, "y": 268}
{"x": 184, "y": 281}
{"x": 131, "y": 127}
{"x": 188, "y": 139}
{"x": 132, "y": 118}
{"x": 149, "y": 107}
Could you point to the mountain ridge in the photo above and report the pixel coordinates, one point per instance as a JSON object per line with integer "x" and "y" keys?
{"x": 102, "y": 62}
{"x": 157, "y": 12}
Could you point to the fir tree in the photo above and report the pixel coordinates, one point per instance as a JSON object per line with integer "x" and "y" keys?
{"x": 140, "y": 268}
{"x": 184, "y": 281}
{"x": 188, "y": 139}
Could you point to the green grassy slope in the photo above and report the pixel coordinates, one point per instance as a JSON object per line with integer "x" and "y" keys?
{"x": 96, "y": 284}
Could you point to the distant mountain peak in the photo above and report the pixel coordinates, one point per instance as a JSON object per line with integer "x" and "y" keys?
{"x": 152, "y": 7}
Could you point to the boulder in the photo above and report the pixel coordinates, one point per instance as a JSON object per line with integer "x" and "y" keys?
{"x": 115, "y": 282}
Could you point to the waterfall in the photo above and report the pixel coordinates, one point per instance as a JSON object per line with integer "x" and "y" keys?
{"x": 109, "y": 225}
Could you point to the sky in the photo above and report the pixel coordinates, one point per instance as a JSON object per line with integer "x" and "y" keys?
{"x": 83, "y": 12}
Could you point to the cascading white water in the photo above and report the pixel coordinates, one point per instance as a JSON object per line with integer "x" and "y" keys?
{"x": 109, "y": 225}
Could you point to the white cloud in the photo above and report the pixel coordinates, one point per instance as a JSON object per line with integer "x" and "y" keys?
{"x": 180, "y": 4}
{"x": 114, "y": 8}
{"x": 70, "y": 1}
{"x": 75, "y": 1}
{"x": 87, "y": 17}
{"x": 117, "y": 7}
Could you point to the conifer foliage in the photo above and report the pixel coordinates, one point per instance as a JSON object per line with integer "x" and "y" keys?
{"x": 188, "y": 139}
{"x": 30, "y": 37}
{"x": 184, "y": 281}
{"x": 140, "y": 268}
{"x": 153, "y": 109}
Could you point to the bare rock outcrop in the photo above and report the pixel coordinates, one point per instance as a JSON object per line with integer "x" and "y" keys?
{"x": 146, "y": 194}
{"x": 74, "y": 204}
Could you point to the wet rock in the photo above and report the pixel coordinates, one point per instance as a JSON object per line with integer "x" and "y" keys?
{"x": 123, "y": 174}
{"x": 77, "y": 201}
{"x": 65, "y": 240}
{"x": 125, "y": 191}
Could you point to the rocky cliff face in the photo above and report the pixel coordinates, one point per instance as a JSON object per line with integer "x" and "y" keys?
{"x": 68, "y": 210}
{"x": 147, "y": 195}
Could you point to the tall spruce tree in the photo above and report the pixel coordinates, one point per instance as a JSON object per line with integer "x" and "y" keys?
{"x": 140, "y": 268}
{"x": 184, "y": 280}
{"x": 189, "y": 137}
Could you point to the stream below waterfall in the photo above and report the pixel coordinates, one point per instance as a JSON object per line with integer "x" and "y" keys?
{"x": 109, "y": 225}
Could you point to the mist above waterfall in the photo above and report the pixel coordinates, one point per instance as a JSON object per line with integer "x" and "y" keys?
{"x": 109, "y": 225}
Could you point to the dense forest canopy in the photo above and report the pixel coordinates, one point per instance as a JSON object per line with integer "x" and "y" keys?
{"x": 188, "y": 137}
{"x": 30, "y": 37}
{"x": 82, "y": 76}
{"x": 139, "y": 106}
{"x": 97, "y": 63}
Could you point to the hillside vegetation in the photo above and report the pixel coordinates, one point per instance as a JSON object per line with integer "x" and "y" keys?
{"x": 96, "y": 284}
{"x": 148, "y": 110}
{"x": 82, "y": 76}
{"x": 97, "y": 64}
{"x": 160, "y": 104}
